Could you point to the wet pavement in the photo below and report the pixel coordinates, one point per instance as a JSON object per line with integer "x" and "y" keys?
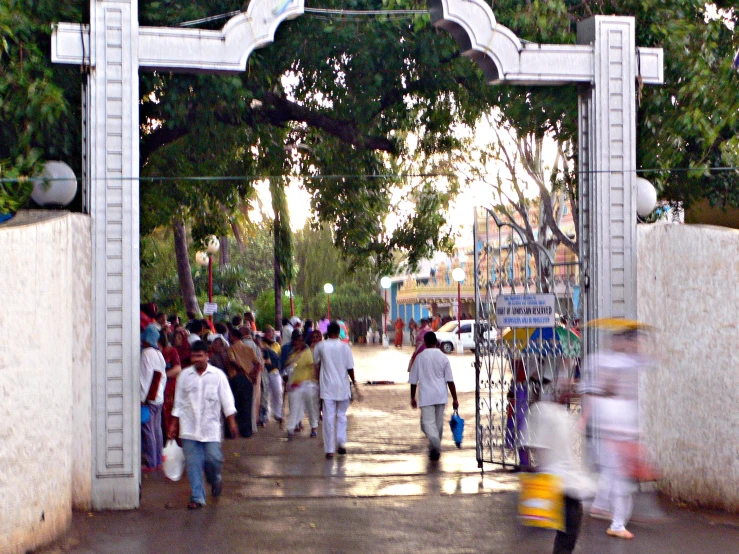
{"x": 383, "y": 496}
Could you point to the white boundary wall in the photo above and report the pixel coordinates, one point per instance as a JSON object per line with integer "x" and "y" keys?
{"x": 688, "y": 289}
{"x": 45, "y": 376}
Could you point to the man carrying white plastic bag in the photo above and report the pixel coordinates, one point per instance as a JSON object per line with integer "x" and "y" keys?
{"x": 202, "y": 394}
{"x": 173, "y": 461}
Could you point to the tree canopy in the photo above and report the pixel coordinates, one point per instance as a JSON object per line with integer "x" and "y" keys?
{"x": 337, "y": 96}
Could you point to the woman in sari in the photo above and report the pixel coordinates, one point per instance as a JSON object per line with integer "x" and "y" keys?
{"x": 243, "y": 370}
{"x": 399, "y": 326}
{"x": 182, "y": 345}
{"x": 173, "y": 369}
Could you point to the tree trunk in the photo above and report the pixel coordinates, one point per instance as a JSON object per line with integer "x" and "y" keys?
{"x": 225, "y": 254}
{"x": 278, "y": 286}
{"x": 237, "y": 235}
{"x": 187, "y": 287}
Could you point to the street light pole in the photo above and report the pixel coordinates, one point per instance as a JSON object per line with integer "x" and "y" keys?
{"x": 385, "y": 283}
{"x": 206, "y": 258}
{"x": 210, "y": 284}
{"x": 459, "y": 314}
{"x": 328, "y": 288}
{"x": 289, "y": 294}
{"x": 458, "y": 276}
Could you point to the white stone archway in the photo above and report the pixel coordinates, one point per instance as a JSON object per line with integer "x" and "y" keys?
{"x": 605, "y": 62}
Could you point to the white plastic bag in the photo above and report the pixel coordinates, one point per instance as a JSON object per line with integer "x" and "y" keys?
{"x": 173, "y": 460}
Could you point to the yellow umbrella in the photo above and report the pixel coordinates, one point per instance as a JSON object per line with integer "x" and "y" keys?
{"x": 617, "y": 324}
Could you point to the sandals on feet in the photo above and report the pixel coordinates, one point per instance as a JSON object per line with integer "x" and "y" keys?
{"x": 192, "y": 505}
{"x": 623, "y": 534}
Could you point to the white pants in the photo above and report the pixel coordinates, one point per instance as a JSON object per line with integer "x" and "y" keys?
{"x": 264, "y": 394}
{"x": 303, "y": 397}
{"x": 432, "y": 424}
{"x": 334, "y": 424}
{"x": 614, "y": 488}
{"x": 275, "y": 393}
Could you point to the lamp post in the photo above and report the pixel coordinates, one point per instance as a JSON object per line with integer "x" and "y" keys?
{"x": 385, "y": 283}
{"x": 289, "y": 294}
{"x": 206, "y": 258}
{"x": 458, "y": 276}
{"x": 328, "y": 288}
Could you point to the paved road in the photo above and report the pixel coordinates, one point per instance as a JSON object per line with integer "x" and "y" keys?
{"x": 384, "y": 496}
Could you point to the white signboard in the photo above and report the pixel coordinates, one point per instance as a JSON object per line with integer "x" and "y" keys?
{"x": 209, "y": 308}
{"x": 525, "y": 310}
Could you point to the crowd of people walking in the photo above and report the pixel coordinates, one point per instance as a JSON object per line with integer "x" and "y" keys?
{"x": 195, "y": 373}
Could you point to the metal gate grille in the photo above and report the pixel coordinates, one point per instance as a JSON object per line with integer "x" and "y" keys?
{"x": 515, "y": 367}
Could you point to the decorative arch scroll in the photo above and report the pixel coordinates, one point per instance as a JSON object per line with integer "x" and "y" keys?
{"x": 188, "y": 50}
{"x": 495, "y": 48}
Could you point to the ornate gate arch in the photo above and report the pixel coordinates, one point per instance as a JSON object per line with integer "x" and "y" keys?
{"x": 114, "y": 47}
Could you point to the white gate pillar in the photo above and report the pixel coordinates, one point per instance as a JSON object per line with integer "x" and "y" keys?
{"x": 112, "y": 198}
{"x": 113, "y": 48}
{"x": 606, "y": 165}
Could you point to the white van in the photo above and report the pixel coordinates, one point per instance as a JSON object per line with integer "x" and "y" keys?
{"x": 447, "y": 334}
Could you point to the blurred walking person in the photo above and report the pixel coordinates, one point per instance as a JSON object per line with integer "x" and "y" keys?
{"x": 611, "y": 389}
{"x": 550, "y": 436}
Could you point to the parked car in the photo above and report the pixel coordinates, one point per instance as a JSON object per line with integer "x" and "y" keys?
{"x": 447, "y": 334}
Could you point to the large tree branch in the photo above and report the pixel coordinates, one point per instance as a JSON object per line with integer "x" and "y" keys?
{"x": 160, "y": 137}
{"x": 279, "y": 111}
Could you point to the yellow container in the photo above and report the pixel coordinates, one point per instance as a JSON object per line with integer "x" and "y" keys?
{"x": 541, "y": 501}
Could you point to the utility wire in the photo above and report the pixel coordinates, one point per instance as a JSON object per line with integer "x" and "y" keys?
{"x": 208, "y": 19}
{"x": 318, "y": 11}
{"x": 365, "y": 13}
{"x": 149, "y": 178}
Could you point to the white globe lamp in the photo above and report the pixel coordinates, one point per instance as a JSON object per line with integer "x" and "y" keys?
{"x": 458, "y": 274}
{"x": 201, "y": 258}
{"x": 646, "y": 197}
{"x": 328, "y": 288}
{"x": 56, "y": 186}
{"x": 212, "y": 244}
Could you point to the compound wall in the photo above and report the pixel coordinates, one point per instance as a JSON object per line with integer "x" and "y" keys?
{"x": 45, "y": 375}
{"x": 688, "y": 289}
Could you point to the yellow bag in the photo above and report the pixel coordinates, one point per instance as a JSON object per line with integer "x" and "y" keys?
{"x": 541, "y": 501}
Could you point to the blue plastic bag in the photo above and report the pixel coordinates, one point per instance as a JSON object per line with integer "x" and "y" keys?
{"x": 456, "y": 424}
{"x": 145, "y": 414}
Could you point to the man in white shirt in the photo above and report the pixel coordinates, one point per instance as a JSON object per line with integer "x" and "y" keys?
{"x": 152, "y": 380}
{"x": 335, "y": 364}
{"x": 431, "y": 374}
{"x": 201, "y": 395}
{"x": 286, "y": 332}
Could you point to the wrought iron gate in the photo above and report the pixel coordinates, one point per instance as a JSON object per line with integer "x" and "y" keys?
{"x": 516, "y": 366}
